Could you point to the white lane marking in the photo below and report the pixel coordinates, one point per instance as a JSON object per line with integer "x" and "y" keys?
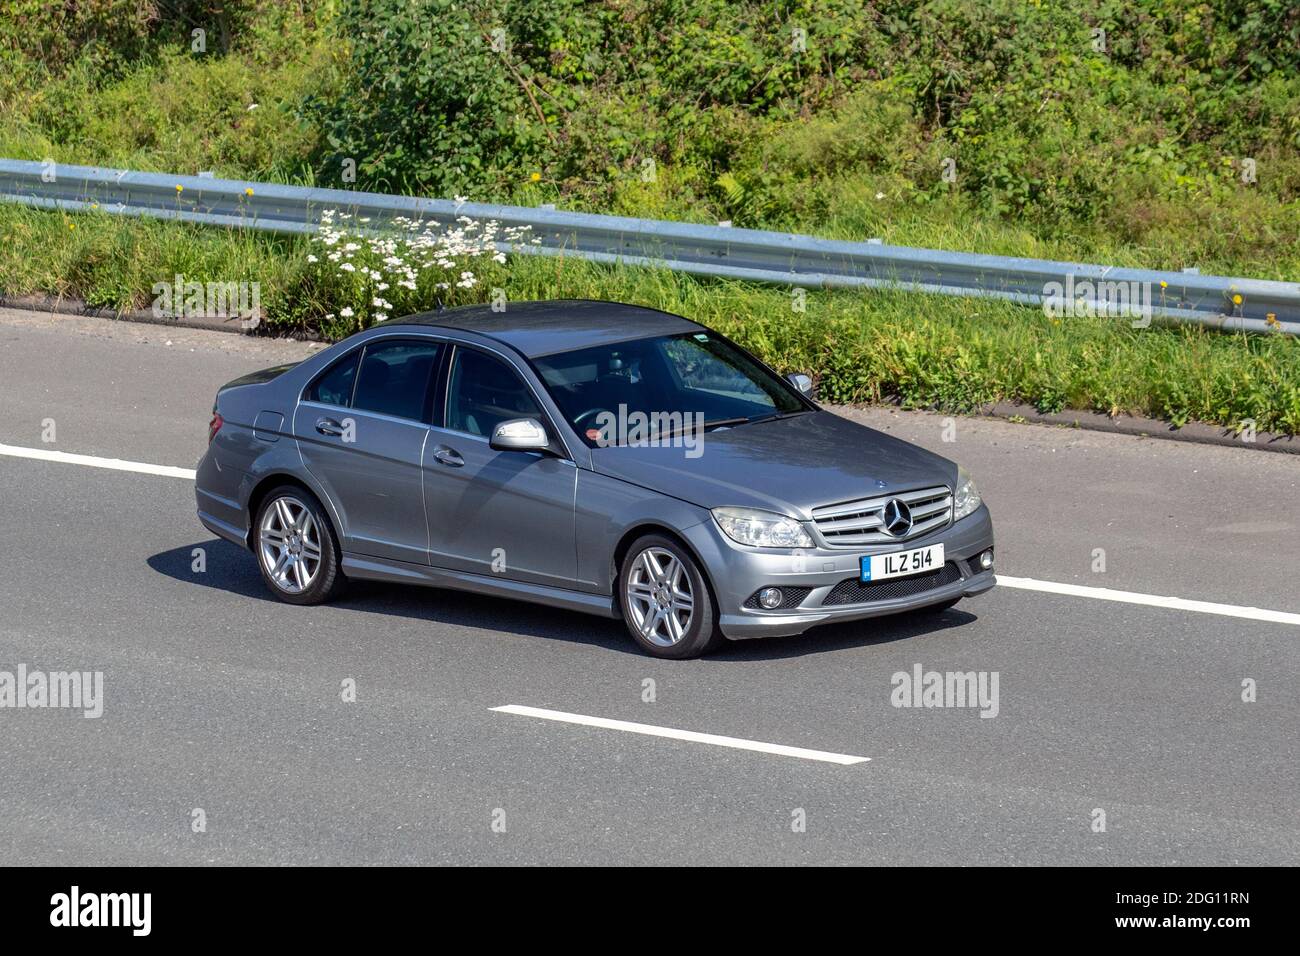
{"x": 651, "y": 730}
{"x": 1152, "y": 600}
{"x": 115, "y": 464}
{"x": 1026, "y": 584}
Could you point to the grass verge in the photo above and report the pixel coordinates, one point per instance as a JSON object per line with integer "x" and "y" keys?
{"x": 863, "y": 347}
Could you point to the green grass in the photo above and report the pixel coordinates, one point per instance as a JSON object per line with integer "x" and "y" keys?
{"x": 1134, "y": 156}
{"x": 863, "y": 347}
{"x": 1128, "y": 159}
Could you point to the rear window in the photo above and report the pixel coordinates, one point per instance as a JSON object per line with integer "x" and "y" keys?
{"x": 334, "y": 387}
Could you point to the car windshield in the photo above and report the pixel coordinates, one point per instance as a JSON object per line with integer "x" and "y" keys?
{"x": 662, "y": 384}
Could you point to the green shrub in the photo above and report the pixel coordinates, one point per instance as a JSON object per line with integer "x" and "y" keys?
{"x": 1112, "y": 131}
{"x": 427, "y": 103}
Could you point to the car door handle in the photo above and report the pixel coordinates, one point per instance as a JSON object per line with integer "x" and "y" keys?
{"x": 448, "y": 456}
{"x": 328, "y": 426}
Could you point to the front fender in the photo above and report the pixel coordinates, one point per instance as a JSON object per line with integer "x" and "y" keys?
{"x": 607, "y": 509}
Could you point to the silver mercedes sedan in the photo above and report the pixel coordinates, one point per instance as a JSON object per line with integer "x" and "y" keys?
{"x": 593, "y": 456}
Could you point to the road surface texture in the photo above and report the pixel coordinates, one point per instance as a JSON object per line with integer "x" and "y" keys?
{"x": 219, "y": 699}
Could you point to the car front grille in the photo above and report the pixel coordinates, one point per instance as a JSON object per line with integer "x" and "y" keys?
{"x": 855, "y": 591}
{"x": 852, "y": 524}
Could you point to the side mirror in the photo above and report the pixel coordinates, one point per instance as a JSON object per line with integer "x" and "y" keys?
{"x": 803, "y": 383}
{"x": 520, "y": 434}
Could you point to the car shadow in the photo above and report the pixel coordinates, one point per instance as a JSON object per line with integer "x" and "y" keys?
{"x": 827, "y": 638}
{"x": 231, "y": 569}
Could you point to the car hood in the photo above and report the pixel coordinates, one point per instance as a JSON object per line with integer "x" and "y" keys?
{"x": 789, "y": 465}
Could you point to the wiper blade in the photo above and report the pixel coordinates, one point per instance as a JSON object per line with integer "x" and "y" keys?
{"x": 776, "y": 416}
{"x": 716, "y": 423}
{"x": 733, "y": 422}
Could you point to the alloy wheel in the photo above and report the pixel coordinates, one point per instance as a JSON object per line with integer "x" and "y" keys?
{"x": 659, "y": 597}
{"x": 290, "y": 545}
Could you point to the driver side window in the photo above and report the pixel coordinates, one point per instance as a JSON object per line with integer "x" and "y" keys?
{"x": 483, "y": 392}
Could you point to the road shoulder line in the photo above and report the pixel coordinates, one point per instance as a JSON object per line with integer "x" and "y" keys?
{"x": 92, "y": 461}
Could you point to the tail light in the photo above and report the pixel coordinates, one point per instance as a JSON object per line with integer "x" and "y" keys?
{"x": 214, "y": 426}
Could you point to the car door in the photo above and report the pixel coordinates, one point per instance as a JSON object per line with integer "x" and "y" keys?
{"x": 362, "y": 428}
{"x": 509, "y": 513}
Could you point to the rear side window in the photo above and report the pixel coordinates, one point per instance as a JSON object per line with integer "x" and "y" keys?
{"x": 335, "y": 386}
{"x": 395, "y": 377}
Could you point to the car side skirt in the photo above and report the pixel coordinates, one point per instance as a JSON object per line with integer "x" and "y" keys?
{"x": 401, "y": 572}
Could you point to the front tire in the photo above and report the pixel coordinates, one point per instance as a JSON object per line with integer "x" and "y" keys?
{"x": 296, "y": 549}
{"x": 665, "y": 600}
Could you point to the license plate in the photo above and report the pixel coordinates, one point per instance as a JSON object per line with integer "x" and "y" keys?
{"x": 899, "y": 564}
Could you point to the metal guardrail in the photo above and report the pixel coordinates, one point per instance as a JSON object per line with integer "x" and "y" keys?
{"x": 773, "y": 257}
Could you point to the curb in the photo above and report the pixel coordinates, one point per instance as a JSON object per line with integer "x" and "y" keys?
{"x": 1194, "y": 432}
{"x": 36, "y": 303}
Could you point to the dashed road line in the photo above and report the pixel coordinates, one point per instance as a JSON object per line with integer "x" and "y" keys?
{"x": 1151, "y": 600}
{"x": 691, "y": 736}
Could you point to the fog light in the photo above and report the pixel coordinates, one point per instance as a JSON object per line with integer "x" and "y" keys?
{"x": 770, "y": 597}
{"x": 986, "y": 559}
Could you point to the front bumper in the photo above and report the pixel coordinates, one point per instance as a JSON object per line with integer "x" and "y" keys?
{"x": 737, "y": 572}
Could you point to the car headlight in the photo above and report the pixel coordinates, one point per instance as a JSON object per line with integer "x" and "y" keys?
{"x": 967, "y": 498}
{"x": 761, "y": 529}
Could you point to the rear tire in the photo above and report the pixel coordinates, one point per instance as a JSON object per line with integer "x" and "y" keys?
{"x": 665, "y": 600}
{"x": 296, "y": 548}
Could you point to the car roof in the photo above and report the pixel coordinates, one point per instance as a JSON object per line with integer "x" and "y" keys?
{"x": 560, "y": 325}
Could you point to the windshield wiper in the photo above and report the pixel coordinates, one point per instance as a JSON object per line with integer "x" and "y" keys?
{"x": 776, "y": 416}
{"x": 716, "y": 423}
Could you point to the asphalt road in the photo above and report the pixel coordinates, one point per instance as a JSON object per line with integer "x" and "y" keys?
{"x": 218, "y": 697}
